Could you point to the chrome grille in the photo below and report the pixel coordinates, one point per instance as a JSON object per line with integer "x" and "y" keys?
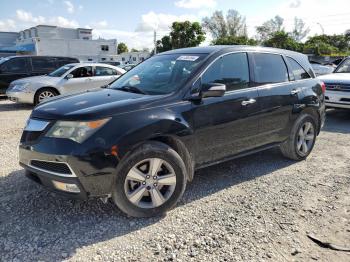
{"x": 338, "y": 87}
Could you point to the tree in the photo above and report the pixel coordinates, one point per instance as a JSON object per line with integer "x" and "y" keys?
{"x": 282, "y": 39}
{"x": 235, "y": 40}
{"x": 186, "y": 34}
{"x": 134, "y": 50}
{"x": 299, "y": 31}
{"x": 164, "y": 44}
{"x": 220, "y": 27}
{"x": 122, "y": 48}
{"x": 269, "y": 28}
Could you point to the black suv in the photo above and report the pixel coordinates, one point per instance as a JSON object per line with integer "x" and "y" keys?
{"x": 140, "y": 139}
{"x": 16, "y": 67}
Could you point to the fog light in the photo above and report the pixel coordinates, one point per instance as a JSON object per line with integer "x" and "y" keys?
{"x": 73, "y": 188}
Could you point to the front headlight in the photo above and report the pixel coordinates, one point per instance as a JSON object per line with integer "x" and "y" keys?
{"x": 76, "y": 131}
{"x": 20, "y": 87}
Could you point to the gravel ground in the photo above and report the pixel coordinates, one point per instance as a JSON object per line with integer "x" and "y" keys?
{"x": 257, "y": 208}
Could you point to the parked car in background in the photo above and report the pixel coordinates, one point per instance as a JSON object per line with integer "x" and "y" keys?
{"x": 68, "y": 79}
{"x": 338, "y": 86}
{"x": 127, "y": 67}
{"x": 320, "y": 69}
{"x": 16, "y": 67}
{"x": 140, "y": 140}
{"x": 113, "y": 63}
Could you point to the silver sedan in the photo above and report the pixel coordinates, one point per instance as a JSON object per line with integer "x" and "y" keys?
{"x": 68, "y": 79}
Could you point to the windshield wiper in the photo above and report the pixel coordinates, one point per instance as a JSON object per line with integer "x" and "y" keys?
{"x": 132, "y": 89}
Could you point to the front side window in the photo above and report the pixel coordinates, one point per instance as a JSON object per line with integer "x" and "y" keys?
{"x": 298, "y": 72}
{"x": 85, "y": 71}
{"x": 61, "y": 71}
{"x": 231, "y": 70}
{"x": 16, "y": 65}
{"x": 269, "y": 68}
{"x": 105, "y": 71}
{"x": 161, "y": 74}
{"x": 344, "y": 67}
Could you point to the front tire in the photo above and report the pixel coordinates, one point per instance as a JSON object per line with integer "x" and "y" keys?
{"x": 301, "y": 139}
{"x": 43, "y": 94}
{"x": 149, "y": 181}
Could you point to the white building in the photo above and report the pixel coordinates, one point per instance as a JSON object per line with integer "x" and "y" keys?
{"x": 58, "y": 41}
{"x": 133, "y": 57}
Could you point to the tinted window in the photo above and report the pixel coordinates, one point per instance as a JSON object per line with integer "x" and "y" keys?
{"x": 231, "y": 70}
{"x": 269, "y": 68}
{"x": 65, "y": 61}
{"x": 43, "y": 63}
{"x": 15, "y": 65}
{"x": 105, "y": 71}
{"x": 85, "y": 71}
{"x": 298, "y": 71}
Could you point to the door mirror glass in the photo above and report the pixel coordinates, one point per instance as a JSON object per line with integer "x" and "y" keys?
{"x": 69, "y": 76}
{"x": 212, "y": 90}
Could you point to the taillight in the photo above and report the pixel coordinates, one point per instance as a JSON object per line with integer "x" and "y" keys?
{"x": 323, "y": 87}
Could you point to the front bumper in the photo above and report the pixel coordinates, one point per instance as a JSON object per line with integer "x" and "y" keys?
{"x": 92, "y": 174}
{"x": 20, "y": 97}
{"x": 337, "y": 99}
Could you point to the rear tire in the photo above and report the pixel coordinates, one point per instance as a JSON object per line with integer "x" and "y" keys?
{"x": 157, "y": 173}
{"x": 44, "y": 93}
{"x": 301, "y": 139}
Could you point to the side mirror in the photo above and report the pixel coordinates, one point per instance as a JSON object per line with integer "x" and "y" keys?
{"x": 212, "y": 90}
{"x": 69, "y": 76}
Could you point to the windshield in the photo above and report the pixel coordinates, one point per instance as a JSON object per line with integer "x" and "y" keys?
{"x": 60, "y": 71}
{"x": 343, "y": 67}
{"x": 161, "y": 74}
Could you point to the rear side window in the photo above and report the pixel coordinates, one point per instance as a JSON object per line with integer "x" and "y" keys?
{"x": 15, "y": 65}
{"x": 65, "y": 61}
{"x": 231, "y": 70}
{"x": 298, "y": 72}
{"x": 269, "y": 68}
{"x": 43, "y": 64}
{"x": 105, "y": 71}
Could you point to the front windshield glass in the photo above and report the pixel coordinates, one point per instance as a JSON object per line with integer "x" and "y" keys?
{"x": 160, "y": 74}
{"x": 344, "y": 67}
{"x": 60, "y": 71}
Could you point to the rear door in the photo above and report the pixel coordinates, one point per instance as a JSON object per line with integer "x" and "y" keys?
{"x": 277, "y": 95}
{"x": 11, "y": 70}
{"x": 104, "y": 75}
{"x": 226, "y": 125}
{"x": 43, "y": 65}
{"x": 82, "y": 80}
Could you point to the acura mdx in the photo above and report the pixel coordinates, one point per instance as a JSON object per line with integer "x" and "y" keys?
{"x": 140, "y": 139}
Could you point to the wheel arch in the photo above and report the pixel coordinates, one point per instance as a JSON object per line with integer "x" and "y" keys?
{"x": 47, "y": 87}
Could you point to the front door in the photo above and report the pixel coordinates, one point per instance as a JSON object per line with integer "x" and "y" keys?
{"x": 104, "y": 75}
{"x": 82, "y": 80}
{"x": 225, "y": 126}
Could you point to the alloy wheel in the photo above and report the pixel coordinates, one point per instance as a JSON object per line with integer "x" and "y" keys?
{"x": 150, "y": 183}
{"x": 45, "y": 94}
{"x": 305, "y": 139}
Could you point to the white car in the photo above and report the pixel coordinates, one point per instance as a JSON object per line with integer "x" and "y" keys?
{"x": 321, "y": 69}
{"x": 68, "y": 79}
{"x": 338, "y": 86}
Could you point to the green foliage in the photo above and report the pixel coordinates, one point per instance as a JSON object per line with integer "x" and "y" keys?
{"x": 122, "y": 48}
{"x": 134, "y": 50}
{"x": 186, "y": 34}
{"x": 183, "y": 34}
{"x": 235, "y": 40}
{"x": 328, "y": 44}
{"x": 269, "y": 28}
{"x": 282, "y": 39}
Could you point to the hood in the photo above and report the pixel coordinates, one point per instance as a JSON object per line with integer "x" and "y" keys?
{"x": 92, "y": 105}
{"x": 37, "y": 79}
{"x": 336, "y": 78}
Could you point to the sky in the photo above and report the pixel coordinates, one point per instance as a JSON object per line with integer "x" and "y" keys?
{"x": 133, "y": 21}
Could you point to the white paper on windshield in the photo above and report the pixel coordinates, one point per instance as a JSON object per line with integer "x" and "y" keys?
{"x": 187, "y": 58}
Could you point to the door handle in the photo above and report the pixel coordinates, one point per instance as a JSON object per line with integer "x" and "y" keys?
{"x": 295, "y": 91}
{"x": 248, "y": 102}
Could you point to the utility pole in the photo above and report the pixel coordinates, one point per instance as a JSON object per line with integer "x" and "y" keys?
{"x": 155, "y": 42}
